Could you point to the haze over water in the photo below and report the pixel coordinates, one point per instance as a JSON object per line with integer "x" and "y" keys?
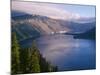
{"x": 61, "y": 50}
{"x": 66, "y": 52}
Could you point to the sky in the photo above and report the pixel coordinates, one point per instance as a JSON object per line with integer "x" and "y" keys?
{"x": 57, "y": 11}
{"x": 83, "y": 10}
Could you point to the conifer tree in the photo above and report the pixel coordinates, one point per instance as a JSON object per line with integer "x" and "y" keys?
{"x": 15, "y": 60}
{"x": 35, "y": 66}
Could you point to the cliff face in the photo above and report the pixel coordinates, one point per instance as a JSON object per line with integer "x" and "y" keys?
{"x": 28, "y": 26}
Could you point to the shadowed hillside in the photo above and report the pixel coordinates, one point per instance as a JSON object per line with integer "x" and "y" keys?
{"x": 90, "y": 34}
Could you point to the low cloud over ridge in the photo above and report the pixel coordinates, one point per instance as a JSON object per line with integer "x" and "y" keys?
{"x": 45, "y": 9}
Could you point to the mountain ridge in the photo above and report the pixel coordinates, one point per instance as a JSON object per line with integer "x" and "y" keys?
{"x": 43, "y": 25}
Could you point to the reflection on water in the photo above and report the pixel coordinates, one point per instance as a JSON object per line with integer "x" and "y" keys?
{"x": 66, "y": 52}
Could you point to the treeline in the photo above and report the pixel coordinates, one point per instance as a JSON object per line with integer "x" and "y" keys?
{"x": 28, "y": 60}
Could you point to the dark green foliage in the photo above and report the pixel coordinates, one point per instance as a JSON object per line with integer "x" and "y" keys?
{"x": 55, "y": 68}
{"x": 24, "y": 30}
{"x": 46, "y": 66}
{"x": 28, "y": 60}
{"x": 35, "y": 67}
{"x": 25, "y": 60}
{"x": 15, "y": 60}
{"x": 43, "y": 64}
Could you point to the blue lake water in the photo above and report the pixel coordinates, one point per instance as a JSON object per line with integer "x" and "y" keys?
{"x": 66, "y": 52}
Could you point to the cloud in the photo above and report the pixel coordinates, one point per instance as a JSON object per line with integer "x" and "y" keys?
{"x": 44, "y": 9}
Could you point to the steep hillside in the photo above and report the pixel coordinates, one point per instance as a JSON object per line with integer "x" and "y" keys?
{"x": 28, "y": 26}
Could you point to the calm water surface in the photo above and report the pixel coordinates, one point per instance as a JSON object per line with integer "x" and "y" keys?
{"x": 65, "y": 51}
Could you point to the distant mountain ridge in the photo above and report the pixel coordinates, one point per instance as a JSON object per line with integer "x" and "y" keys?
{"x": 27, "y": 25}
{"x": 90, "y": 34}
{"x": 85, "y": 20}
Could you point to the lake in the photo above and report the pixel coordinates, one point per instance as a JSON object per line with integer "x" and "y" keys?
{"x": 66, "y": 52}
